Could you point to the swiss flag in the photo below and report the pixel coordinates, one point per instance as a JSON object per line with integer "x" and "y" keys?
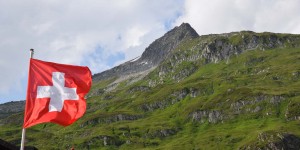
{"x": 55, "y": 93}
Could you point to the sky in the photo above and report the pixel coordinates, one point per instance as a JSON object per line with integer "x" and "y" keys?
{"x": 101, "y": 34}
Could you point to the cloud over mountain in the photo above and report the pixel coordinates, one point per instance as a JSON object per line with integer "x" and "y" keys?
{"x": 95, "y": 33}
{"x": 102, "y": 34}
{"x": 217, "y": 16}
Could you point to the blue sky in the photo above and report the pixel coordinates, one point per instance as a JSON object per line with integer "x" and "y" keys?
{"x": 101, "y": 34}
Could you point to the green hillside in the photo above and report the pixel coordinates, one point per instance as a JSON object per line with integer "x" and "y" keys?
{"x": 249, "y": 99}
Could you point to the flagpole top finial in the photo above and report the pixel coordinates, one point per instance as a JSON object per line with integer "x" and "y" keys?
{"x": 31, "y": 52}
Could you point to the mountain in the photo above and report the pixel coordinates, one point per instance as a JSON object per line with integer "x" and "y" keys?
{"x": 237, "y": 90}
{"x": 10, "y": 108}
{"x": 152, "y": 56}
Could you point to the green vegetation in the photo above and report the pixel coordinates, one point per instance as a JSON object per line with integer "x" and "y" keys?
{"x": 255, "y": 92}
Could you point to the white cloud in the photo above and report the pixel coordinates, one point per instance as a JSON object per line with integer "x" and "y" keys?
{"x": 72, "y": 32}
{"x": 219, "y": 16}
{"x": 101, "y": 33}
{"x": 133, "y": 35}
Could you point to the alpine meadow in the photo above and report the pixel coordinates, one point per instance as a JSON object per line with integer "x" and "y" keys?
{"x": 238, "y": 90}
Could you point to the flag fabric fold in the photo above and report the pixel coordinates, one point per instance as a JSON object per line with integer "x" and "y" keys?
{"x": 55, "y": 93}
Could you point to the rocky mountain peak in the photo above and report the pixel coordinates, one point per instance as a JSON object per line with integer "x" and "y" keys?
{"x": 161, "y": 47}
{"x": 153, "y": 54}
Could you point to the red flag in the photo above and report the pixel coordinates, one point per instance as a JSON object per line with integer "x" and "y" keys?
{"x": 55, "y": 93}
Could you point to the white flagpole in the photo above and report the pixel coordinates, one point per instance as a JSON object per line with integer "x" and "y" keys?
{"x": 23, "y": 139}
{"x": 24, "y": 130}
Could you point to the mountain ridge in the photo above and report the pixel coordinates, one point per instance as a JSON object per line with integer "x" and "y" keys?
{"x": 153, "y": 54}
{"x": 238, "y": 90}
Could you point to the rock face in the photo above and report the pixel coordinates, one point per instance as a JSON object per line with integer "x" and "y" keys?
{"x": 271, "y": 140}
{"x": 215, "y": 48}
{"x": 170, "y": 100}
{"x": 153, "y": 55}
{"x": 213, "y": 116}
{"x": 238, "y": 107}
{"x": 161, "y": 47}
{"x": 161, "y": 133}
{"x": 110, "y": 119}
{"x": 221, "y": 48}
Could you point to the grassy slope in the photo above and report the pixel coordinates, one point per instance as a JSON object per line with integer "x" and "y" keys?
{"x": 270, "y": 72}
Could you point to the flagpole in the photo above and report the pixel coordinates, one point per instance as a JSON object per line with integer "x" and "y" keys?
{"x": 23, "y": 139}
{"x": 24, "y": 130}
{"x": 31, "y": 53}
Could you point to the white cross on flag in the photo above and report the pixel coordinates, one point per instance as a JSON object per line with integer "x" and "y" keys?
{"x": 55, "y": 93}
